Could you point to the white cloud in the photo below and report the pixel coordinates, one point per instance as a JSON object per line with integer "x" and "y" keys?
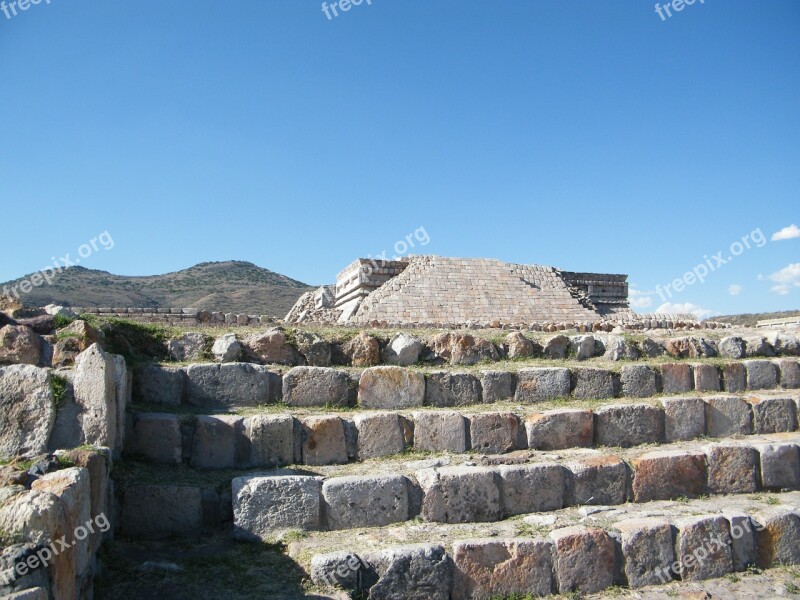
{"x": 639, "y": 299}
{"x": 686, "y": 307}
{"x": 735, "y": 289}
{"x": 785, "y": 279}
{"x": 787, "y": 233}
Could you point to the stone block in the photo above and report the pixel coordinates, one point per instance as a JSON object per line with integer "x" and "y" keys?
{"x": 27, "y": 411}
{"x": 585, "y": 559}
{"x": 773, "y": 415}
{"x": 727, "y": 416}
{"x": 628, "y": 425}
{"x": 647, "y": 550}
{"x": 95, "y": 392}
{"x": 491, "y": 568}
{"x": 339, "y": 569}
{"x": 668, "y": 474}
{"x": 156, "y": 384}
{"x": 416, "y": 572}
{"x": 370, "y": 501}
{"x": 778, "y": 537}
{"x": 227, "y": 385}
{"x": 560, "y": 429}
{"x": 732, "y": 469}
{"x": 638, "y": 381}
{"x": 707, "y": 378}
{"x": 443, "y": 389}
{"x": 318, "y": 386}
{"x": 156, "y": 438}
{"x": 536, "y": 385}
{"x": 379, "y": 434}
{"x": 265, "y": 506}
{"x": 743, "y": 539}
{"x": 155, "y": 512}
{"x": 268, "y": 440}
{"x": 684, "y": 418}
{"x": 780, "y": 466}
{"x": 214, "y": 442}
{"x": 596, "y": 480}
{"x": 790, "y": 373}
{"x": 593, "y": 384}
{"x": 761, "y": 374}
{"x": 498, "y": 385}
{"x": 440, "y": 431}
{"x": 734, "y": 377}
{"x": 460, "y": 495}
{"x": 703, "y": 547}
{"x": 391, "y": 388}
{"x": 676, "y": 378}
{"x": 531, "y": 488}
{"x": 494, "y": 433}
{"x": 323, "y": 441}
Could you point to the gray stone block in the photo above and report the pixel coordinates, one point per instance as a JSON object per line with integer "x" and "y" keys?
{"x": 268, "y": 440}
{"x": 531, "y": 488}
{"x": 628, "y": 425}
{"x": 585, "y": 559}
{"x": 391, "y": 388}
{"x": 732, "y": 469}
{"x": 790, "y": 373}
{"x": 676, "y": 378}
{"x": 323, "y": 441}
{"x": 444, "y": 389}
{"x": 339, "y": 569}
{"x": 371, "y": 501}
{"x": 593, "y": 384}
{"x": 707, "y": 378}
{"x": 440, "y": 431}
{"x": 684, "y": 418}
{"x": 156, "y": 437}
{"x": 773, "y": 415}
{"x": 214, "y": 443}
{"x": 498, "y": 385}
{"x": 460, "y": 495}
{"x": 417, "y": 572}
{"x": 780, "y": 466}
{"x": 743, "y": 539}
{"x": 318, "y": 386}
{"x": 495, "y": 433}
{"x": 266, "y": 506}
{"x": 560, "y": 429}
{"x": 647, "y": 551}
{"x": 727, "y": 416}
{"x": 761, "y": 374}
{"x": 778, "y": 537}
{"x": 536, "y": 385}
{"x": 596, "y": 480}
{"x": 703, "y": 547}
{"x": 227, "y": 385}
{"x": 156, "y": 384}
{"x": 638, "y": 381}
{"x": 734, "y": 377}
{"x": 379, "y": 434}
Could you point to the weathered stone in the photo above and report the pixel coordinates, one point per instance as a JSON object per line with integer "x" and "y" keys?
{"x": 27, "y": 411}
{"x": 556, "y": 347}
{"x": 318, "y": 386}
{"x": 225, "y": 385}
{"x": 157, "y": 384}
{"x": 460, "y": 495}
{"x": 440, "y": 431}
{"x": 596, "y": 480}
{"x": 743, "y": 539}
{"x": 531, "y": 488}
{"x": 773, "y": 415}
{"x": 727, "y": 416}
{"x": 790, "y": 373}
{"x": 582, "y": 347}
{"x": 98, "y": 464}
{"x": 732, "y": 469}
{"x": 703, "y": 547}
{"x": 272, "y": 346}
{"x": 758, "y": 345}
{"x": 190, "y": 346}
{"x": 638, "y": 381}
{"x": 668, "y": 474}
{"x": 323, "y": 441}
{"x": 731, "y": 347}
{"x": 371, "y": 501}
{"x": 266, "y": 506}
{"x": 463, "y": 348}
{"x": 403, "y": 350}
{"x": 689, "y": 347}
{"x": 74, "y": 339}
{"x": 784, "y": 344}
{"x": 19, "y": 345}
{"x": 707, "y": 378}
{"x": 734, "y": 377}
{"x": 585, "y": 559}
{"x": 647, "y": 550}
{"x": 153, "y": 512}
{"x": 443, "y": 389}
{"x": 338, "y": 569}
{"x": 156, "y": 437}
{"x": 214, "y": 442}
{"x": 651, "y": 348}
{"x": 517, "y": 345}
{"x": 560, "y": 429}
{"x": 95, "y": 392}
{"x": 417, "y": 572}
{"x": 315, "y": 350}
{"x": 676, "y": 379}
{"x": 628, "y": 425}
{"x": 618, "y": 348}
{"x": 761, "y": 374}
{"x": 684, "y": 418}
{"x": 227, "y": 348}
{"x": 493, "y": 568}
{"x": 268, "y": 440}
{"x": 778, "y": 535}
{"x": 593, "y": 384}
{"x": 536, "y": 385}
{"x": 363, "y": 351}
{"x": 497, "y": 386}
{"x": 391, "y": 387}
{"x": 379, "y": 434}
{"x": 780, "y": 466}
{"x": 494, "y": 433}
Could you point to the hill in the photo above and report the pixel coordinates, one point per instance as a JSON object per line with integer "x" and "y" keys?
{"x": 752, "y": 319}
{"x": 231, "y": 286}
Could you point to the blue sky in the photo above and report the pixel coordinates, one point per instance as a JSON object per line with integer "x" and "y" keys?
{"x": 586, "y": 135}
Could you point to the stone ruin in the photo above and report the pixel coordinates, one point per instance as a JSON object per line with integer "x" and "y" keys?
{"x": 434, "y": 290}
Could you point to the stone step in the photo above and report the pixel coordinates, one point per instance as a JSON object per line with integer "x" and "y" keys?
{"x": 584, "y": 550}
{"x": 215, "y": 386}
{"x": 452, "y": 489}
{"x": 300, "y": 436}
